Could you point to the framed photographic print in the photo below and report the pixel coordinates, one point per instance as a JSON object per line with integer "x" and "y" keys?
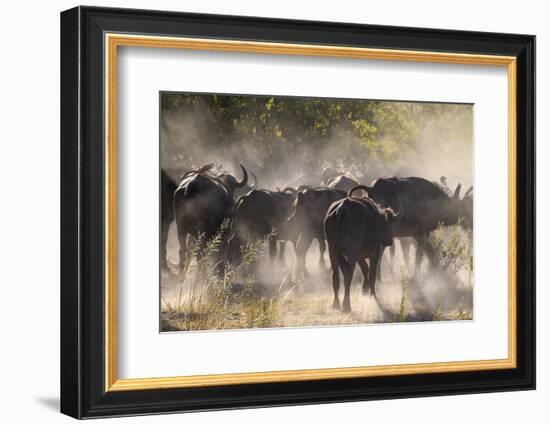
{"x": 261, "y": 212}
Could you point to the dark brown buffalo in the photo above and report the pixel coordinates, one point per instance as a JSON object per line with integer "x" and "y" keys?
{"x": 422, "y": 206}
{"x": 260, "y": 214}
{"x": 356, "y": 230}
{"x": 408, "y": 242}
{"x": 202, "y": 202}
{"x": 167, "y": 189}
{"x": 307, "y": 218}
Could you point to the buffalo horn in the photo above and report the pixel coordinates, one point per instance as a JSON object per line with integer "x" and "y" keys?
{"x": 457, "y": 191}
{"x": 244, "y": 181}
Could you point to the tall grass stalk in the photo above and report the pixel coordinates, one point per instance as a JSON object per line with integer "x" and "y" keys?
{"x": 451, "y": 248}
{"x": 209, "y": 298}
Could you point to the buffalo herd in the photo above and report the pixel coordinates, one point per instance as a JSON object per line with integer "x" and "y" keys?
{"x": 355, "y": 221}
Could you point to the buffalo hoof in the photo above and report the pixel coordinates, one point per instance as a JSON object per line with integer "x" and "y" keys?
{"x": 366, "y": 290}
{"x": 346, "y": 309}
{"x": 336, "y": 305}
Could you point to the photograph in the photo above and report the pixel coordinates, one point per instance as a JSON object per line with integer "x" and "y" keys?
{"x": 289, "y": 211}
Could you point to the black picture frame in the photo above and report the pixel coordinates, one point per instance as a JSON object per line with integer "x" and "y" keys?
{"x": 83, "y": 392}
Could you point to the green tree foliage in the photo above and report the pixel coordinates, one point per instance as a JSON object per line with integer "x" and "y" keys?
{"x": 313, "y": 132}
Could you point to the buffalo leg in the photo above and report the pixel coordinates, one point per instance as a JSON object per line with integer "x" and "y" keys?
{"x": 272, "y": 240}
{"x": 347, "y": 270}
{"x": 417, "y": 259}
{"x": 164, "y": 227}
{"x": 392, "y": 251}
{"x": 302, "y": 247}
{"x": 322, "y": 249}
{"x": 182, "y": 238}
{"x": 335, "y": 264}
{"x": 379, "y": 266}
{"x": 375, "y": 261}
{"x": 365, "y": 270}
{"x": 282, "y": 249}
{"x": 406, "y": 249}
{"x": 336, "y": 287}
{"x": 425, "y": 245}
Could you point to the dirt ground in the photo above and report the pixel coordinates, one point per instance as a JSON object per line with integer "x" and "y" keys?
{"x": 278, "y": 299}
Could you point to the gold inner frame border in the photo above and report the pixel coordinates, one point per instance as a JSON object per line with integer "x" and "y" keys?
{"x": 112, "y": 41}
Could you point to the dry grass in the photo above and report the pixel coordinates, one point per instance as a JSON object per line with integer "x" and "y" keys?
{"x": 230, "y": 299}
{"x": 452, "y": 248}
{"x": 246, "y": 295}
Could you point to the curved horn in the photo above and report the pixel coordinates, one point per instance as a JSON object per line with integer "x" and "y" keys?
{"x": 457, "y": 191}
{"x": 290, "y": 190}
{"x": 184, "y": 175}
{"x": 470, "y": 190}
{"x": 255, "y": 185}
{"x": 188, "y": 173}
{"x": 244, "y": 181}
{"x": 360, "y": 187}
{"x": 397, "y": 214}
{"x": 391, "y": 215}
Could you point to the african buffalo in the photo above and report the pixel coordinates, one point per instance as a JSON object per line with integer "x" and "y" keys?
{"x": 422, "y": 205}
{"x": 202, "y": 202}
{"x": 260, "y": 214}
{"x": 307, "y": 217}
{"x": 356, "y": 230}
{"x": 408, "y": 242}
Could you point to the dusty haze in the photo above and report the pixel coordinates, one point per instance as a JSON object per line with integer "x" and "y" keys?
{"x": 281, "y": 138}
